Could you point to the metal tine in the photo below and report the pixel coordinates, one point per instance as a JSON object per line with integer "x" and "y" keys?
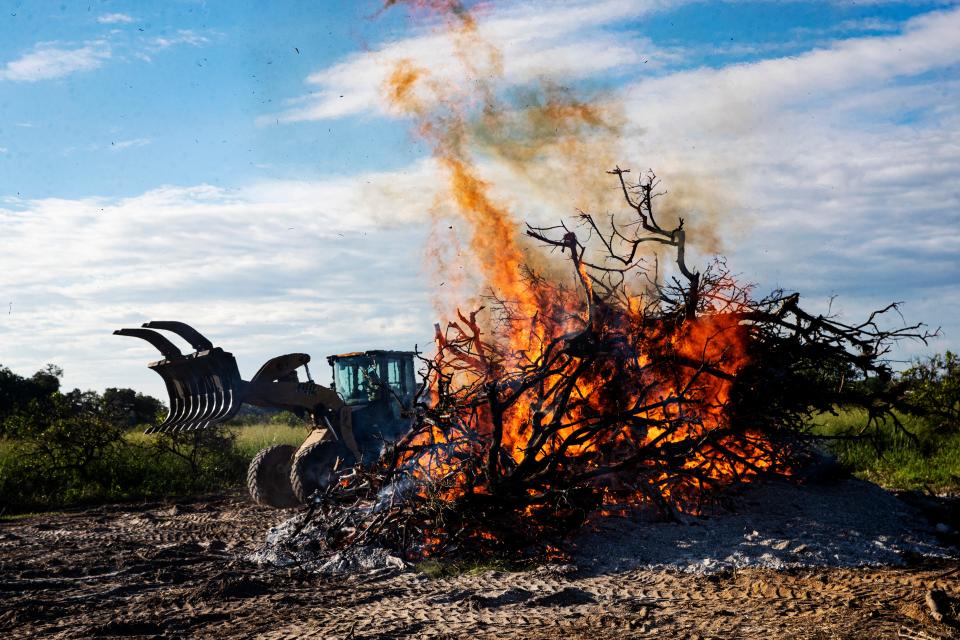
{"x": 192, "y": 398}
{"x": 230, "y": 405}
{"x": 171, "y": 355}
{"x": 188, "y": 379}
{"x": 197, "y": 398}
{"x": 196, "y": 339}
{"x": 183, "y": 399}
{"x": 172, "y": 396}
{"x": 235, "y": 384}
{"x": 205, "y": 370}
{"x": 229, "y": 379}
{"x": 220, "y": 390}
{"x": 164, "y": 346}
{"x": 213, "y": 398}
{"x": 209, "y": 403}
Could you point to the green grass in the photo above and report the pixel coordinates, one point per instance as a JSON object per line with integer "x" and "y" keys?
{"x": 933, "y": 462}
{"x": 249, "y": 438}
{"x": 140, "y": 471}
{"x": 134, "y": 472}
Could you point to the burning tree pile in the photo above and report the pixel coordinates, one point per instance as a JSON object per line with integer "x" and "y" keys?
{"x": 636, "y": 380}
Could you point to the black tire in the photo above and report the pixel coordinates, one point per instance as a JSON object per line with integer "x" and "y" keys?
{"x": 268, "y": 477}
{"x": 313, "y": 467}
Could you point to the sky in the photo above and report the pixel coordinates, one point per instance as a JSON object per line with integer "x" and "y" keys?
{"x": 234, "y": 164}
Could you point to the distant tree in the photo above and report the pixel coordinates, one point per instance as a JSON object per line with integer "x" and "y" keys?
{"x": 67, "y": 433}
{"x": 933, "y": 388}
{"x": 129, "y": 407}
{"x": 18, "y": 392}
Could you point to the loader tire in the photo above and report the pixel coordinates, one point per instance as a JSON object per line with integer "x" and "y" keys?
{"x": 268, "y": 477}
{"x": 313, "y": 467}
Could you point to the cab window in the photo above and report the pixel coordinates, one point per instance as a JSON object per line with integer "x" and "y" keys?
{"x": 356, "y": 379}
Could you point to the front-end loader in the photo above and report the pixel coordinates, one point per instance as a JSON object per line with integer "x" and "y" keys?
{"x": 369, "y": 406}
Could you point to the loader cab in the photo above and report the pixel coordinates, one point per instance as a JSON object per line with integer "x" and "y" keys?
{"x": 379, "y": 388}
{"x": 372, "y": 377}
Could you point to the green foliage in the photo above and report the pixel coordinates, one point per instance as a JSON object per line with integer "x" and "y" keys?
{"x": 891, "y": 457}
{"x": 253, "y": 416}
{"x": 59, "y": 449}
{"x": 17, "y": 392}
{"x": 143, "y": 466}
{"x": 74, "y": 447}
{"x": 933, "y": 388}
{"x": 64, "y": 441}
{"x": 250, "y": 439}
{"x": 208, "y": 454}
{"x": 918, "y": 448}
{"x": 130, "y": 408}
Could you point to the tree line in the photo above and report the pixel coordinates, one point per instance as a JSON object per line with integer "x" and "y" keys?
{"x": 61, "y": 447}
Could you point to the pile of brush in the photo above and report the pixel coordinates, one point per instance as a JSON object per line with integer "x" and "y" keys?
{"x": 640, "y": 382}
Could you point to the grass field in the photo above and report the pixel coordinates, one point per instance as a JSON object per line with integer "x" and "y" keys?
{"x": 931, "y": 462}
{"x": 141, "y": 471}
{"x": 252, "y": 439}
{"x": 249, "y": 439}
{"x": 136, "y": 470}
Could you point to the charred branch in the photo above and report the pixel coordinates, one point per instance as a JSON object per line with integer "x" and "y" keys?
{"x": 627, "y": 389}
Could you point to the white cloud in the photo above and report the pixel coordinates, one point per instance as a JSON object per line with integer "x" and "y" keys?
{"x": 50, "y": 60}
{"x": 115, "y": 18}
{"x": 835, "y": 192}
{"x": 147, "y": 47}
{"x": 536, "y": 39}
{"x": 129, "y": 144}
{"x": 820, "y": 186}
{"x": 54, "y": 60}
{"x": 182, "y": 36}
{"x": 4, "y": 150}
{"x": 733, "y": 97}
{"x": 842, "y": 161}
{"x": 321, "y": 267}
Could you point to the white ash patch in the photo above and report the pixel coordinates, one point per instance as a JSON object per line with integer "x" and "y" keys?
{"x": 775, "y": 525}
{"x": 285, "y": 547}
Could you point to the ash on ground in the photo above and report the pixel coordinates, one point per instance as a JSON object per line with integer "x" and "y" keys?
{"x": 287, "y": 545}
{"x": 775, "y": 524}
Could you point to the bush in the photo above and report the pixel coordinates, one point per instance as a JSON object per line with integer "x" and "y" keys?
{"x": 17, "y": 392}
{"x": 209, "y": 455}
{"x": 930, "y": 460}
{"x": 68, "y": 448}
{"x": 65, "y": 447}
{"x": 932, "y": 388}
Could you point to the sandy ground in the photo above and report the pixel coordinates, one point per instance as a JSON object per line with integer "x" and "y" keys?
{"x": 177, "y": 570}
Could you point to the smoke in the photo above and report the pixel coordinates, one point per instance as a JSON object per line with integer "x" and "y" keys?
{"x": 512, "y": 154}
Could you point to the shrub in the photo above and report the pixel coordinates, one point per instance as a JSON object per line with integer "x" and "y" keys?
{"x": 65, "y": 448}
{"x": 210, "y": 455}
{"x": 932, "y": 387}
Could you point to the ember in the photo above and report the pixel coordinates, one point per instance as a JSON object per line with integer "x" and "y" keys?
{"x": 627, "y": 388}
{"x": 619, "y": 381}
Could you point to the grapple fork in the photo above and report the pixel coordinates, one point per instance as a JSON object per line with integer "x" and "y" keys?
{"x": 205, "y": 387}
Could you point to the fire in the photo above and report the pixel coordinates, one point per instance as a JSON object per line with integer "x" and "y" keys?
{"x": 561, "y": 379}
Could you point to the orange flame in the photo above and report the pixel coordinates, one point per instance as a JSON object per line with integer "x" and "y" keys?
{"x": 664, "y": 367}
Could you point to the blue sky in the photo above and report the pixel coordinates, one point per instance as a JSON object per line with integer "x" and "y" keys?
{"x": 232, "y": 164}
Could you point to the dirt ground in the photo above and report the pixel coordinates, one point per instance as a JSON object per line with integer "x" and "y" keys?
{"x": 176, "y": 570}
